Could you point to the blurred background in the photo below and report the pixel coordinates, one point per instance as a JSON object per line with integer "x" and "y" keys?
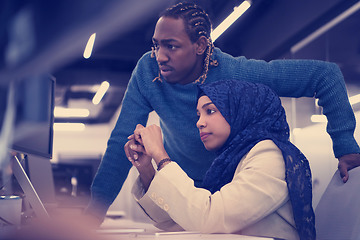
{"x": 48, "y": 38}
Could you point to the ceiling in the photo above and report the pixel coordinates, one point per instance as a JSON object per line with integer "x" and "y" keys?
{"x": 270, "y": 29}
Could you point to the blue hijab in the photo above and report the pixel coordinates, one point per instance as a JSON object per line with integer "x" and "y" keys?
{"x": 254, "y": 113}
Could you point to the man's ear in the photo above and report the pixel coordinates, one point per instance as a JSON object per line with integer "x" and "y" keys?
{"x": 201, "y": 45}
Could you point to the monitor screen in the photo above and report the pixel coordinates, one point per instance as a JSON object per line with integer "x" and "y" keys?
{"x": 33, "y": 130}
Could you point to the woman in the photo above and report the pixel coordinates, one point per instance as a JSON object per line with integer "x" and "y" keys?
{"x": 259, "y": 184}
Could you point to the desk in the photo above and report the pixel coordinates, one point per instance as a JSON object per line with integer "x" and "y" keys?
{"x": 111, "y": 229}
{"x": 119, "y": 229}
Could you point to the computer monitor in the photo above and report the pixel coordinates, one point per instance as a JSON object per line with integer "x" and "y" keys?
{"x": 32, "y": 137}
{"x": 33, "y": 130}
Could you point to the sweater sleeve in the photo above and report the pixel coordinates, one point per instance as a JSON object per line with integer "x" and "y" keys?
{"x": 115, "y": 166}
{"x": 309, "y": 78}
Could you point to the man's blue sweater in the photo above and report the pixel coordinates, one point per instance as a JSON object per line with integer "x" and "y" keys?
{"x": 176, "y": 106}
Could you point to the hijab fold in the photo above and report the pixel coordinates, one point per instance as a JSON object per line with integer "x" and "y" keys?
{"x": 254, "y": 113}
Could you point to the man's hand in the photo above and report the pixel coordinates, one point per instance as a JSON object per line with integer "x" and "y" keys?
{"x": 346, "y": 163}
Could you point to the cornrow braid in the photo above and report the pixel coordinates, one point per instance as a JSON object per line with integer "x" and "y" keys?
{"x": 197, "y": 23}
{"x": 207, "y": 62}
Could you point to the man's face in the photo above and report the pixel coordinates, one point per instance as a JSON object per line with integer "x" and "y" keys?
{"x": 175, "y": 53}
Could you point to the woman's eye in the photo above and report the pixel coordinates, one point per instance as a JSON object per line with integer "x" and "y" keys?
{"x": 210, "y": 111}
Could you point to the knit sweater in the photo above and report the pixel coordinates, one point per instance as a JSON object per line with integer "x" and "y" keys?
{"x": 176, "y": 106}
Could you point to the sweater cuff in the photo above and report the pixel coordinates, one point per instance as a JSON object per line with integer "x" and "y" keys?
{"x": 96, "y": 209}
{"x": 345, "y": 144}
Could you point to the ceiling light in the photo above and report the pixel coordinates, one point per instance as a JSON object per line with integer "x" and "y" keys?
{"x": 101, "y": 92}
{"x": 89, "y": 46}
{"x": 318, "y": 118}
{"x": 71, "y": 112}
{"x": 69, "y": 127}
{"x": 354, "y": 99}
{"x": 238, "y": 11}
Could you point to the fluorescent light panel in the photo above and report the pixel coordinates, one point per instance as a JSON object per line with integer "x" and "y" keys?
{"x": 71, "y": 112}
{"x": 89, "y": 46}
{"x": 101, "y": 92}
{"x": 69, "y": 127}
{"x": 318, "y": 118}
{"x": 354, "y": 99}
{"x": 238, "y": 11}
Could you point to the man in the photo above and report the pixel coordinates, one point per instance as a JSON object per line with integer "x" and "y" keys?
{"x": 165, "y": 81}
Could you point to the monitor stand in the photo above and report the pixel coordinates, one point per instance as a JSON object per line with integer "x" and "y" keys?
{"x": 28, "y": 189}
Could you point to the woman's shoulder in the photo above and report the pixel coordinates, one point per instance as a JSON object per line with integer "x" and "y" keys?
{"x": 265, "y": 154}
{"x": 265, "y": 144}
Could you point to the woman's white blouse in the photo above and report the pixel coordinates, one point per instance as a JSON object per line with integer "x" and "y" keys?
{"x": 255, "y": 202}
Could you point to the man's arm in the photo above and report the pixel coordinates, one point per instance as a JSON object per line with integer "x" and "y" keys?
{"x": 312, "y": 78}
{"x": 114, "y": 166}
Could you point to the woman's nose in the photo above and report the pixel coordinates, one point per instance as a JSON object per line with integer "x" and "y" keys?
{"x": 200, "y": 123}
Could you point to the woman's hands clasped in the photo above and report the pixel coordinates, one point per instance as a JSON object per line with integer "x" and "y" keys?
{"x": 145, "y": 144}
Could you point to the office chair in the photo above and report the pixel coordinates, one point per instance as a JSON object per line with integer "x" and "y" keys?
{"x": 337, "y": 216}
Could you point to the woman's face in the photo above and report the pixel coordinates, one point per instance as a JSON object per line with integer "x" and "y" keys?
{"x": 214, "y": 129}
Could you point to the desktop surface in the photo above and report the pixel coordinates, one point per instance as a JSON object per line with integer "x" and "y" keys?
{"x": 122, "y": 228}
{"x": 70, "y": 227}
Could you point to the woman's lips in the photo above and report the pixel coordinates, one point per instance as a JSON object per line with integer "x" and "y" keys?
{"x": 204, "y": 136}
